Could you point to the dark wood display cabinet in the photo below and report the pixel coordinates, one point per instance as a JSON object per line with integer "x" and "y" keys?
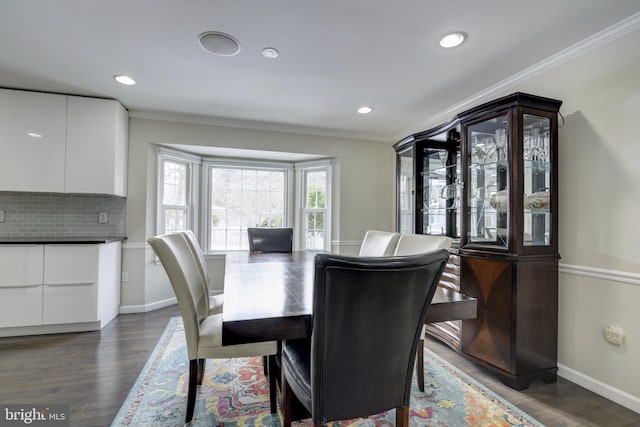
{"x": 495, "y": 192}
{"x": 428, "y": 202}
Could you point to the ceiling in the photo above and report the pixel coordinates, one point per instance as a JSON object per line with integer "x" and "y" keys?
{"x": 335, "y": 56}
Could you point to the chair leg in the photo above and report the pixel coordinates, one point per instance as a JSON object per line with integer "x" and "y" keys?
{"x": 402, "y": 416}
{"x": 194, "y": 365}
{"x": 420, "y": 365}
{"x": 201, "y": 366}
{"x": 273, "y": 388}
{"x": 265, "y": 363}
{"x": 287, "y": 402}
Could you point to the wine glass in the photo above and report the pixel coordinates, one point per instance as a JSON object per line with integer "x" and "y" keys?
{"x": 501, "y": 143}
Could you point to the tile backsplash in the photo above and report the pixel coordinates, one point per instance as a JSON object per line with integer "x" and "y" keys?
{"x": 61, "y": 215}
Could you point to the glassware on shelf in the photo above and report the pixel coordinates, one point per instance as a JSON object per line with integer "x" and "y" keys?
{"x": 501, "y": 143}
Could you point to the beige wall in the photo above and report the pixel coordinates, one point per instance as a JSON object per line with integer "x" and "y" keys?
{"x": 599, "y": 173}
{"x": 363, "y": 196}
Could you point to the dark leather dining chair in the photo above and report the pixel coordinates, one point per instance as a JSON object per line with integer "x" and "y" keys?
{"x": 203, "y": 330}
{"x": 270, "y": 239}
{"x": 368, "y": 313}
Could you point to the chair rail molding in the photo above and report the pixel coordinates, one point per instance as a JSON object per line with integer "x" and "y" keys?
{"x": 600, "y": 273}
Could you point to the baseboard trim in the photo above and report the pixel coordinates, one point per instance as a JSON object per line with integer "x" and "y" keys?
{"x": 616, "y": 395}
{"x": 129, "y": 309}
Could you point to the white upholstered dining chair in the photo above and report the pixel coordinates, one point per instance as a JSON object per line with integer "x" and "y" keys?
{"x": 203, "y": 331}
{"x": 216, "y": 302}
{"x": 412, "y": 244}
{"x": 378, "y": 243}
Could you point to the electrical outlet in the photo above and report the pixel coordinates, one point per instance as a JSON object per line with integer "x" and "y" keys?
{"x": 102, "y": 217}
{"x": 2, "y": 215}
{"x": 614, "y": 335}
{"x": 125, "y": 276}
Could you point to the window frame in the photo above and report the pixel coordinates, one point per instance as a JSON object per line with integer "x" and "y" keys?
{"x": 302, "y": 170}
{"x": 209, "y": 163}
{"x": 198, "y": 194}
{"x": 191, "y": 203}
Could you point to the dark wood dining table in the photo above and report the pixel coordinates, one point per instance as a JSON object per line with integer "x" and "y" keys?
{"x": 269, "y": 297}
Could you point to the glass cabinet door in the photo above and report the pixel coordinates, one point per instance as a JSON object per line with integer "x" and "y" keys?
{"x": 487, "y": 186}
{"x": 406, "y": 192}
{"x": 537, "y": 180}
{"x": 441, "y": 192}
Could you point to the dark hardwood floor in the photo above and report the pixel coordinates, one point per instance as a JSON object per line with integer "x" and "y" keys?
{"x": 94, "y": 371}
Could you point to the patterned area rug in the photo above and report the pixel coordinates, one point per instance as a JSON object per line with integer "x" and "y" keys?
{"x": 235, "y": 392}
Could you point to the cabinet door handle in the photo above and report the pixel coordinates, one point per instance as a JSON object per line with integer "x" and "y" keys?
{"x": 71, "y": 284}
{"x": 32, "y": 285}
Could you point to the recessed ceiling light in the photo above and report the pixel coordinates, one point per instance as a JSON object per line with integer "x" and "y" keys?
{"x": 452, "y": 39}
{"x": 218, "y": 43}
{"x": 365, "y": 110}
{"x": 125, "y": 80}
{"x": 270, "y": 52}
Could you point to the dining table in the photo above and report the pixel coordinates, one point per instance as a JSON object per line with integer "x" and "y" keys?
{"x": 269, "y": 296}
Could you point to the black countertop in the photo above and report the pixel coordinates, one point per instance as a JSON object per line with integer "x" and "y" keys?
{"x": 67, "y": 240}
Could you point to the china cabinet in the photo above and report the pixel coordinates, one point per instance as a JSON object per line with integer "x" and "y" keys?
{"x": 428, "y": 201}
{"x": 500, "y": 201}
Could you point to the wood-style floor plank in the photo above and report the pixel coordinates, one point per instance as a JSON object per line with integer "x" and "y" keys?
{"x": 94, "y": 371}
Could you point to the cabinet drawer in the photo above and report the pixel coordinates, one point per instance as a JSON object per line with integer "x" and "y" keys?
{"x": 20, "y": 265}
{"x": 20, "y": 305}
{"x": 70, "y": 303}
{"x": 70, "y": 264}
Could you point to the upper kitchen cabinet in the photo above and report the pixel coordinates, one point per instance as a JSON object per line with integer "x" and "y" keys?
{"x": 32, "y": 140}
{"x": 97, "y": 141}
{"x": 62, "y": 144}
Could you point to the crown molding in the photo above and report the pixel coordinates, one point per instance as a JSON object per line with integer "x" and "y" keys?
{"x": 595, "y": 41}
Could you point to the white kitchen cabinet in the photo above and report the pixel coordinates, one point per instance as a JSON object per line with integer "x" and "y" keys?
{"x": 97, "y": 146}
{"x": 32, "y": 141}
{"x": 20, "y": 285}
{"x": 55, "y": 288}
{"x": 70, "y": 284}
{"x": 62, "y": 144}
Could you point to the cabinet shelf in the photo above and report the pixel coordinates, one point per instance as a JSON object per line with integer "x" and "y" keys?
{"x": 537, "y": 166}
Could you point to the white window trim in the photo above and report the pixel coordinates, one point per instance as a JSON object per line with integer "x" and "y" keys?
{"x": 301, "y": 168}
{"x": 193, "y": 163}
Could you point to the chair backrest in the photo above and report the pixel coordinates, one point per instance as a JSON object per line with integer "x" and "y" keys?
{"x": 378, "y": 243}
{"x": 411, "y": 244}
{"x": 368, "y": 313}
{"x": 270, "y": 239}
{"x": 176, "y": 257}
{"x": 196, "y": 250}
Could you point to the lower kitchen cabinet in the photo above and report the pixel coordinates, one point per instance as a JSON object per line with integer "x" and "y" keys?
{"x": 58, "y": 288}
{"x": 70, "y": 284}
{"x": 21, "y": 285}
